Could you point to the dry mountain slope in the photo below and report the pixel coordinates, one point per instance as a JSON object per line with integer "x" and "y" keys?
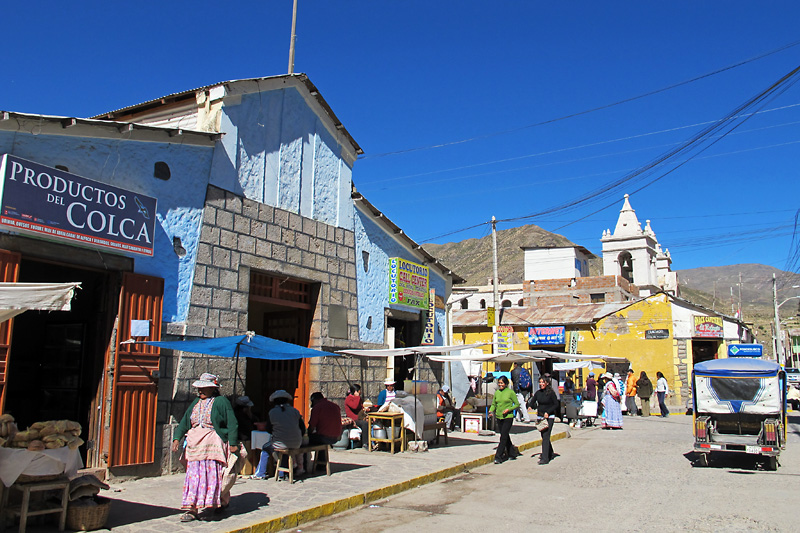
{"x": 472, "y": 258}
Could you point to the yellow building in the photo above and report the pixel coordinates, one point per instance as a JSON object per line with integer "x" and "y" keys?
{"x": 658, "y": 333}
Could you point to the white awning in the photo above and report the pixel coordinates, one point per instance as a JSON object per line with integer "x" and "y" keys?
{"x": 591, "y": 365}
{"x": 16, "y": 298}
{"x": 415, "y": 350}
{"x": 575, "y": 356}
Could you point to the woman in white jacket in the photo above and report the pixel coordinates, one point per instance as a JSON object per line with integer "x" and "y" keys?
{"x": 662, "y": 389}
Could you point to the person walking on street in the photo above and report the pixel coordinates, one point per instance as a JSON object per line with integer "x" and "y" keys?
{"x": 630, "y": 394}
{"x": 212, "y": 434}
{"x": 662, "y": 390}
{"x": 521, "y": 380}
{"x": 546, "y": 404}
{"x": 503, "y": 406}
{"x": 612, "y": 412}
{"x": 644, "y": 390}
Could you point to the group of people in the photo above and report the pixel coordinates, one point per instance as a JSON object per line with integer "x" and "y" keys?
{"x": 642, "y": 387}
{"x": 212, "y": 449}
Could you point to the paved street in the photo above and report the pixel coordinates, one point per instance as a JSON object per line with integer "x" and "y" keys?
{"x": 638, "y": 479}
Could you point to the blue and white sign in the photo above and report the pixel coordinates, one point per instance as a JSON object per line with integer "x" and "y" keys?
{"x": 51, "y": 203}
{"x": 745, "y": 350}
{"x": 546, "y": 335}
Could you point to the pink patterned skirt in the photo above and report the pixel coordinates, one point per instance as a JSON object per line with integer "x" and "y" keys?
{"x": 201, "y": 487}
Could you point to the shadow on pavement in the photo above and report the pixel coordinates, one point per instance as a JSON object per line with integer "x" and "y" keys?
{"x": 742, "y": 462}
{"x": 125, "y": 513}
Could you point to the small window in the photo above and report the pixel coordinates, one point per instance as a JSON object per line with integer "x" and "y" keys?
{"x": 161, "y": 171}
{"x": 598, "y": 298}
{"x": 505, "y": 303}
{"x": 521, "y": 303}
{"x": 464, "y": 304}
{"x": 365, "y": 258}
{"x": 483, "y": 304}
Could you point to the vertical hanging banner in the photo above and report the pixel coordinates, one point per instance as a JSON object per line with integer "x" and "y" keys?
{"x": 429, "y": 336}
{"x": 408, "y": 283}
{"x": 505, "y": 338}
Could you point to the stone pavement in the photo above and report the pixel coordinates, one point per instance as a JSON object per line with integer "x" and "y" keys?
{"x": 358, "y": 477}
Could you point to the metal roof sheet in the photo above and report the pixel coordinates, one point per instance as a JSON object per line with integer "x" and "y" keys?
{"x": 303, "y": 78}
{"x": 557, "y": 315}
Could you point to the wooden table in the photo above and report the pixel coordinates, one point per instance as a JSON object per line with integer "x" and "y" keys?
{"x": 394, "y": 420}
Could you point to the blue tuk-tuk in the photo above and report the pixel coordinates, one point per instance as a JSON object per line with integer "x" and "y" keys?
{"x": 739, "y": 406}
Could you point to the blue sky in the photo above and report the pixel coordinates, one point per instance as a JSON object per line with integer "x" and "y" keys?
{"x": 405, "y": 76}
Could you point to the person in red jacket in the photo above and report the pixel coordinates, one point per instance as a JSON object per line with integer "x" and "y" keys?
{"x": 325, "y": 424}
{"x": 354, "y": 409}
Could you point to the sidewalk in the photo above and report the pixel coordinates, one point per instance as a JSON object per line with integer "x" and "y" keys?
{"x": 358, "y": 477}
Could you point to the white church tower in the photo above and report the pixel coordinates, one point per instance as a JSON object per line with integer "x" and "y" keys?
{"x": 635, "y": 254}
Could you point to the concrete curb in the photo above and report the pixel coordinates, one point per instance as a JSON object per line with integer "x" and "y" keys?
{"x": 291, "y": 520}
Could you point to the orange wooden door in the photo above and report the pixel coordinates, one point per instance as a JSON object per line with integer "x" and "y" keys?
{"x": 135, "y": 389}
{"x": 9, "y": 271}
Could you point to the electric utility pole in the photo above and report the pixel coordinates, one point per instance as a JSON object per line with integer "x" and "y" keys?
{"x": 778, "y": 343}
{"x": 494, "y": 285}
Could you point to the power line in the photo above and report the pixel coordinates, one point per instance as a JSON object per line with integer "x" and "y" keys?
{"x": 585, "y": 112}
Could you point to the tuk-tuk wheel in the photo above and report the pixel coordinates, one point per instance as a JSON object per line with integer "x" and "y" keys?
{"x": 702, "y": 460}
{"x": 772, "y": 463}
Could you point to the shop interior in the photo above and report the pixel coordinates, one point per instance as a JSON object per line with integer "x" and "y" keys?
{"x": 56, "y": 358}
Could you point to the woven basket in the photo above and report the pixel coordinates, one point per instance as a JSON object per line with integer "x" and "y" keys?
{"x": 89, "y": 517}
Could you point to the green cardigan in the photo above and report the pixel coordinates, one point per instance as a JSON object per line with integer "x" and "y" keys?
{"x": 504, "y": 399}
{"x": 221, "y": 416}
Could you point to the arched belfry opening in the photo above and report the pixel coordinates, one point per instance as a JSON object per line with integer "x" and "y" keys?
{"x": 625, "y": 261}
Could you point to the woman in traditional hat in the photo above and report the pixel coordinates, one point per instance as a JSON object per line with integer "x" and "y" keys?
{"x": 388, "y": 394}
{"x": 211, "y": 432}
{"x": 612, "y": 409}
{"x": 285, "y": 423}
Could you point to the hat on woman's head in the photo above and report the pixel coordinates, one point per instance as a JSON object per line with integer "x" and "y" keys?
{"x": 280, "y": 394}
{"x": 206, "y": 380}
{"x": 607, "y": 376}
{"x": 591, "y": 374}
{"x": 445, "y": 388}
{"x": 244, "y": 401}
{"x": 388, "y": 382}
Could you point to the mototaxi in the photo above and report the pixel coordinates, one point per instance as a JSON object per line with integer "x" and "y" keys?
{"x": 739, "y": 405}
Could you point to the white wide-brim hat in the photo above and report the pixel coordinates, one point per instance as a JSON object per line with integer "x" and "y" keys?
{"x": 280, "y": 394}
{"x": 388, "y": 382}
{"x": 607, "y": 376}
{"x": 206, "y": 380}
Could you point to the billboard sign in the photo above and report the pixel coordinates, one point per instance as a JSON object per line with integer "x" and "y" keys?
{"x": 546, "y": 335}
{"x": 745, "y": 350}
{"x": 708, "y": 326}
{"x": 408, "y": 283}
{"x": 55, "y": 204}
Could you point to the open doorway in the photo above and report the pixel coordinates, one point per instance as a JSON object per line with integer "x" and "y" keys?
{"x": 704, "y": 350}
{"x": 56, "y": 359}
{"x": 282, "y": 309}
{"x": 406, "y": 333}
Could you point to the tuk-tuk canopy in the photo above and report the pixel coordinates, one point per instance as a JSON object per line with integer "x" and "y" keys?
{"x": 737, "y": 367}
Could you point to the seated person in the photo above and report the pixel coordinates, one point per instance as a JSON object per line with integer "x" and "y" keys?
{"x": 325, "y": 424}
{"x": 444, "y": 406}
{"x": 243, "y": 409}
{"x": 388, "y": 394}
{"x": 286, "y": 425}
{"x": 354, "y": 409}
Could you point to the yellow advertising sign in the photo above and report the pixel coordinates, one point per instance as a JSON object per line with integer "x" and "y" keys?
{"x": 490, "y": 316}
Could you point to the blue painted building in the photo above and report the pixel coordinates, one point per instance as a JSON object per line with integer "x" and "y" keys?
{"x": 254, "y": 224}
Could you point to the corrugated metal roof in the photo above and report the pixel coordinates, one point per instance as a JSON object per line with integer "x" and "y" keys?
{"x": 303, "y": 78}
{"x": 558, "y": 315}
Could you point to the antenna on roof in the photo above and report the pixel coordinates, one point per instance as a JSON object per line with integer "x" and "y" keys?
{"x": 294, "y": 37}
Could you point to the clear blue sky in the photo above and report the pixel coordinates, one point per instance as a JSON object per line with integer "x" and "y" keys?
{"x": 409, "y": 74}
